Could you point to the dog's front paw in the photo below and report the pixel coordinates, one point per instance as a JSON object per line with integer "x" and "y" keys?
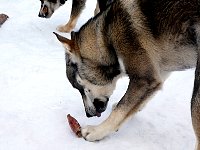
{"x": 65, "y": 28}
{"x": 94, "y": 133}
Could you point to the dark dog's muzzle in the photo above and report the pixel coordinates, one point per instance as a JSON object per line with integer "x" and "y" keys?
{"x": 44, "y": 13}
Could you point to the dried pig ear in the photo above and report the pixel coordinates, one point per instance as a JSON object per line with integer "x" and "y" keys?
{"x": 3, "y": 18}
{"x": 75, "y": 126}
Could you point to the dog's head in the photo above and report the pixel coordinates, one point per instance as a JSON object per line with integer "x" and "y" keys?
{"x": 95, "y": 81}
{"x": 49, "y": 6}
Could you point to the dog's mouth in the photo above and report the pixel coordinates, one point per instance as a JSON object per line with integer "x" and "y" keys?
{"x": 95, "y": 108}
{"x": 98, "y": 114}
{"x": 94, "y": 112}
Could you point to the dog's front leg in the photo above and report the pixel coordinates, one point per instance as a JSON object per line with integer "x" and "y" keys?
{"x": 77, "y": 7}
{"x": 138, "y": 93}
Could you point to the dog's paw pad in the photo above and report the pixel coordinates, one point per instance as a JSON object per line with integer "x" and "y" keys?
{"x": 92, "y": 133}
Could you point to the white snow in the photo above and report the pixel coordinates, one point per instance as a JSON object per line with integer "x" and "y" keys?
{"x": 35, "y": 95}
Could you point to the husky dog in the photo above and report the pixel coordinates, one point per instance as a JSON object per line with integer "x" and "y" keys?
{"x": 49, "y": 6}
{"x": 143, "y": 39}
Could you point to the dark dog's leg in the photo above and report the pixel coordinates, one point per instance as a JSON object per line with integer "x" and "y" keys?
{"x": 195, "y": 103}
{"x": 102, "y": 5}
{"x": 138, "y": 93}
{"x": 77, "y": 7}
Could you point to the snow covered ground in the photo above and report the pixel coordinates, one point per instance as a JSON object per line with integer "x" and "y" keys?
{"x": 35, "y": 95}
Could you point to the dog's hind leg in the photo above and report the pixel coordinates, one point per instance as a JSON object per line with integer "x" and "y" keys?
{"x": 139, "y": 91}
{"x": 77, "y": 7}
{"x": 195, "y": 104}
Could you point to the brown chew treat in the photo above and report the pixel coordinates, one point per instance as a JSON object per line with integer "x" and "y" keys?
{"x": 3, "y": 18}
{"x": 75, "y": 126}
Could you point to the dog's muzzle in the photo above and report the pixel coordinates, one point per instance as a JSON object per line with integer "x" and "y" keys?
{"x": 44, "y": 12}
{"x": 99, "y": 107}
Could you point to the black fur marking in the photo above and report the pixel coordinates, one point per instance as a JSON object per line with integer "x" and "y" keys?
{"x": 71, "y": 72}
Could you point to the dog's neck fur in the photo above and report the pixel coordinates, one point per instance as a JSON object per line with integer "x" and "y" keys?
{"x": 94, "y": 33}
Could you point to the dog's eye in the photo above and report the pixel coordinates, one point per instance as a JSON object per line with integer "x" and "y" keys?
{"x": 79, "y": 81}
{"x": 87, "y": 90}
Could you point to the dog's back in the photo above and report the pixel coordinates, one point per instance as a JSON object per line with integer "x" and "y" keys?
{"x": 165, "y": 27}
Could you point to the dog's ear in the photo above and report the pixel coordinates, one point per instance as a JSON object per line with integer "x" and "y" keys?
{"x": 69, "y": 47}
{"x": 68, "y": 44}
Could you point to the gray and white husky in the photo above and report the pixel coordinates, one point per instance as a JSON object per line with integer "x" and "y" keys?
{"x": 143, "y": 39}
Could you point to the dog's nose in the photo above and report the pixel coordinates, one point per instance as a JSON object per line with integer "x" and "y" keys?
{"x": 42, "y": 15}
{"x": 39, "y": 15}
{"x": 88, "y": 115}
{"x": 99, "y": 105}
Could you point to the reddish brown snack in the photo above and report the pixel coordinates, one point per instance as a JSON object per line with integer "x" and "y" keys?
{"x": 3, "y": 18}
{"x": 75, "y": 126}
